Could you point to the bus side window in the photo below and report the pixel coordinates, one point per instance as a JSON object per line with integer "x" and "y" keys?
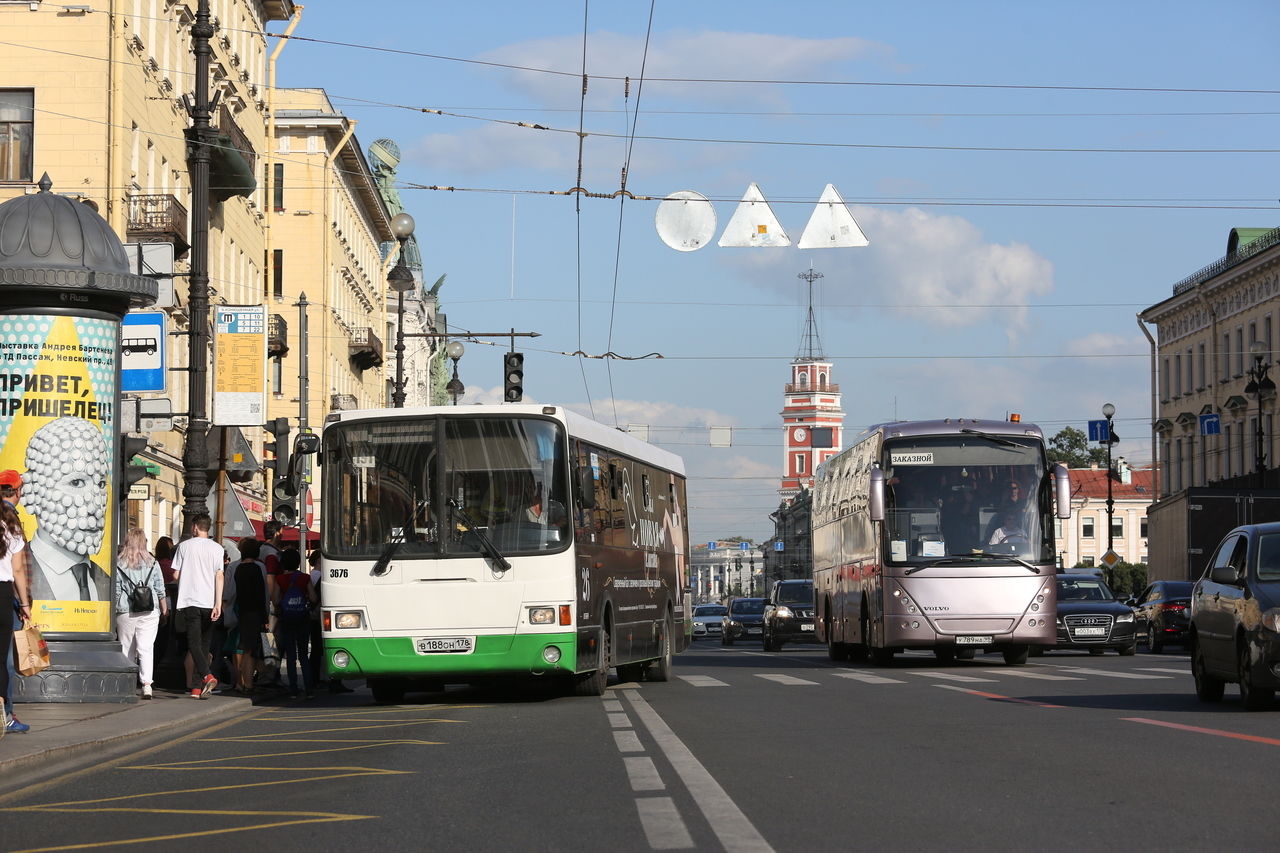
{"x": 613, "y": 481}
{"x": 648, "y": 495}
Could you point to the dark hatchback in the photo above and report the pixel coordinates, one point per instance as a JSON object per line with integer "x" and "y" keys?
{"x": 788, "y": 614}
{"x": 1162, "y": 614}
{"x": 744, "y": 619}
{"x": 1235, "y": 618}
{"x": 1090, "y": 617}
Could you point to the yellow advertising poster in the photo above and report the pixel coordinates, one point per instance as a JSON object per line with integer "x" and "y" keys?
{"x": 57, "y": 424}
{"x": 240, "y": 365}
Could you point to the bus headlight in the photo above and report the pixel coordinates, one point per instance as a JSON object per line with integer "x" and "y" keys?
{"x": 341, "y": 660}
{"x": 542, "y": 615}
{"x": 348, "y": 619}
{"x": 551, "y": 654}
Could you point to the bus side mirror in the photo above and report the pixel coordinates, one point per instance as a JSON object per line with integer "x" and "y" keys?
{"x": 1062, "y": 490}
{"x": 875, "y": 499}
{"x": 586, "y": 488}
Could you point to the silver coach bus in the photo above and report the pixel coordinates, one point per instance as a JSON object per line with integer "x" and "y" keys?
{"x": 938, "y": 535}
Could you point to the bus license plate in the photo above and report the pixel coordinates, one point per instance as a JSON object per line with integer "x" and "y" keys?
{"x": 973, "y": 641}
{"x": 436, "y": 645}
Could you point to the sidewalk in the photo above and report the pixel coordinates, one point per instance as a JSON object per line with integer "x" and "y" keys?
{"x": 65, "y": 731}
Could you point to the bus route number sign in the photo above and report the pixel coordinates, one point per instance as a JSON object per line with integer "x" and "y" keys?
{"x": 437, "y": 645}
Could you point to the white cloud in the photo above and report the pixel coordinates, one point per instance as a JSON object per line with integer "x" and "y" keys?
{"x": 1103, "y": 343}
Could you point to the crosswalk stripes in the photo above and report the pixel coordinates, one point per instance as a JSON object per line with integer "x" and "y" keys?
{"x": 868, "y": 678}
{"x": 1043, "y": 672}
{"x": 784, "y": 679}
{"x": 949, "y": 676}
{"x": 1024, "y": 673}
{"x": 1109, "y": 673}
{"x": 1184, "y": 671}
{"x": 702, "y": 681}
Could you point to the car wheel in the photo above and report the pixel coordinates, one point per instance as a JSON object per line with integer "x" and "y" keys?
{"x": 1153, "y": 641}
{"x": 1208, "y": 688}
{"x": 1016, "y": 655}
{"x": 1131, "y": 649}
{"x": 1037, "y": 651}
{"x": 1254, "y": 698}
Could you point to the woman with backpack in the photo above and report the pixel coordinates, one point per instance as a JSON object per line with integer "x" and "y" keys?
{"x": 293, "y": 596}
{"x": 140, "y": 603}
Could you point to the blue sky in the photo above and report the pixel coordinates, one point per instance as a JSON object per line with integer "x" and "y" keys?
{"x": 981, "y": 263}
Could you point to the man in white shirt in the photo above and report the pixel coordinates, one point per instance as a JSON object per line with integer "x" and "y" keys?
{"x": 197, "y": 567}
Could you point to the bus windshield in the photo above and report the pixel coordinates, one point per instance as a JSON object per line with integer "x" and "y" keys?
{"x": 395, "y": 481}
{"x": 972, "y": 496}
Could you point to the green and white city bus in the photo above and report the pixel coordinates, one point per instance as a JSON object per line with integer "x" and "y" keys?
{"x": 465, "y": 542}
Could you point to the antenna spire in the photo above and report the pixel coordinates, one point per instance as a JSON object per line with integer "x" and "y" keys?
{"x": 810, "y": 343}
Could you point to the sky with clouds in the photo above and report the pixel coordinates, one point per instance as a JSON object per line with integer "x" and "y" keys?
{"x": 1030, "y": 178}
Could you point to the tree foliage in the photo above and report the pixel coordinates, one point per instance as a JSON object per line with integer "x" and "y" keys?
{"x": 1071, "y": 447}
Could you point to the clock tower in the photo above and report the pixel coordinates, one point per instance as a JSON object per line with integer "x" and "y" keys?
{"x": 812, "y": 418}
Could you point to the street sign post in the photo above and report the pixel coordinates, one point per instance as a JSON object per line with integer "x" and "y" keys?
{"x": 1110, "y": 559}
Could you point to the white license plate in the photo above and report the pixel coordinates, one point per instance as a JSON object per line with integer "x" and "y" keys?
{"x": 806, "y": 627}
{"x": 973, "y": 641}
{"x": 437, "y": 645}
{"x": 753, "y": 630}
{"x": 1090, "y": 632}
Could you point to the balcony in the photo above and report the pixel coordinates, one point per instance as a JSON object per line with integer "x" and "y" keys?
{"x": 277, "y": 337}
{"x": 342, "y": 402}
{"x": 824, "y": 388}
{"x": 365, "y": 348}
{"x": 158, "y": 219}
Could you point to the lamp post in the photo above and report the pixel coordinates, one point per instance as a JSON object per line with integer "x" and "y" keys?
{"x": 455, "y": 388}
{"x": 1108, "y": 412}
{"x": 400, "y": 279}
{"x": 1260, "y": 386}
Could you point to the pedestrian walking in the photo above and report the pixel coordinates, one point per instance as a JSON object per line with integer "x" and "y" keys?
{"x": 141, "y": 604}
{"x": 294, "y": 596}
{"x": 10, "y": 491}
{"x": 197, "y": 566}
{"x": 13, "y": 582}
{"x": 251, "y": 606}
{"x": 164, "y": 557}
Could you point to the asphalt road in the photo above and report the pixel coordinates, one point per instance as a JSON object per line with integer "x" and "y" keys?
{"x": 744, "y": 751}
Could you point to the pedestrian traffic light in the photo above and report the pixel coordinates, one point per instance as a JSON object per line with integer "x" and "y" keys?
{"x": 130, "y": 447}
{"x": 513, "y": 376}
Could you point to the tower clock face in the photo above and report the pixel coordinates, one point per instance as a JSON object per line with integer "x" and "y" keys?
{"x": 798, "y": 433}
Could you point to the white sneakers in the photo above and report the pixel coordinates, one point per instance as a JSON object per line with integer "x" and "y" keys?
{"x": 146, "y": 691}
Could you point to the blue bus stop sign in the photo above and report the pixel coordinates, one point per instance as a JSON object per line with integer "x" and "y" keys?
{"x": 142, "y": 351}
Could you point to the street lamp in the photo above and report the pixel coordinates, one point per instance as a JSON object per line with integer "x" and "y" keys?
{"x": 1108, "y": 412}
{"x": 455, "y": 388}
{"x": 400, "y": 279}
{"x": 1261, "y": 386}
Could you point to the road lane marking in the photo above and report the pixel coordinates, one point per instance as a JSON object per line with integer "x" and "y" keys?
{"x": 1186, "y": 671}
{"x": 949, "y": 676}
{"x": 1022, "y": 673}
{"x": 1108, "y": 673}
{"x": 643, "y": 774}
{"x": 703, "y": 681}
{"x": 784, "y": 679}
{"x": 662, "y": 824}
{"x": 997, "y": 696}
{"x": 1203, "y": 731}
{"x": 868, "y": 678}
{"x": 619, "y": 721}
{"x": 627, "y": 741}
{"x": 730, "y": 825}
{"x": 613, "y": 705}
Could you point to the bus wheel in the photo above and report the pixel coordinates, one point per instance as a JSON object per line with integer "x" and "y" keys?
{"x": 594, "y": 683}
{"x": 1016, "y": 655}
{"x": 659, "y": 669}
{"x": 387, "y": 691}
{"x": 945, "y": 654}
{"x": 968, "y": 653}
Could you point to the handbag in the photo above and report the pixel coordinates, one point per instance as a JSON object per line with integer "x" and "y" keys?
{"x": 30, "y": 651}
{"x": 141, "y": 599}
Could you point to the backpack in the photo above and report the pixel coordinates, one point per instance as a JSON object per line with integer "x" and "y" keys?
{"x": 140, "y": 598}
{"x": 293, "y": 603}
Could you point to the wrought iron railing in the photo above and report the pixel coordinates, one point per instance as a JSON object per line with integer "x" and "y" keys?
{"x": 1248, "y": 250}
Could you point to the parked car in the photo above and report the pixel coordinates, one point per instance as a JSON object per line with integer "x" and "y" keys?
{"x": 1235, "y": 617}
{"x": 1162, "y": 614}
{"x": 706, "y": 620}
{"x": 1091, "y": 617}
{"x": 788, "y": 614}
{"x": 744, "y": 619}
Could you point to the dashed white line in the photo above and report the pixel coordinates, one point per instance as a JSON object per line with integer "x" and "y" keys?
{"x": 784, "y": 679}
{"x": 949, "y": 676}
{"x": 619, "y": 721}
{"x": 627, "y": 741}
{"x": 643, "y": 774}
{"x": 1186, "y": 671}
{"x": 703, "y": 681}
{"x": 1109, "y": 673}
{"x": 1023, "y": 673}
{"x": 613, "y": 705}
{"x": 662, "y": 824}
{"x": 868, "y": 678}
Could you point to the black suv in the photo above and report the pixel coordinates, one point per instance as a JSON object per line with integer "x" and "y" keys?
{"x": 788, "y": 614}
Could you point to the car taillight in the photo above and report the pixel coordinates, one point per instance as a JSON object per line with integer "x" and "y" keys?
{"x": 1173, "y": 607}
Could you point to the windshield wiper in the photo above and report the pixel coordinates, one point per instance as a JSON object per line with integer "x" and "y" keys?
{"x": 383, "y": 565}
{"x": 966, "y": 557}
{"x": 486, "y": 544}
{"x": 992, "y": 438}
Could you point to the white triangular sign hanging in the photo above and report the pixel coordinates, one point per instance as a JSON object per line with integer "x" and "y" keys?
{"x": 753, "y": 224}
{"x": 831, "y": 226}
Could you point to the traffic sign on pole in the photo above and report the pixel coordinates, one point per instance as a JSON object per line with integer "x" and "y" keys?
{"x": 142, "y": 351}
{"x": 1110, "y": 559}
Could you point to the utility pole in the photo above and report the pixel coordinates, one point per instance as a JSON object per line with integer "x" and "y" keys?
{"x": 195, "y": 455}
{"x": 303, "y": 403}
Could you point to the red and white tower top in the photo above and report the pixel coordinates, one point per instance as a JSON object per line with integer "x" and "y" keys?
{"x": 812, "y": 419}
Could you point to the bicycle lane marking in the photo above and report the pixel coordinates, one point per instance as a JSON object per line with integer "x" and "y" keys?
{"x": 727, "y": 821}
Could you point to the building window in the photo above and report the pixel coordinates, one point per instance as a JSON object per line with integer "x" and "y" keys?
{"x": 1117, "y": 527}
{"x": 1177, "y": 375}
{"x": 799, "y": 463}
{"x": 16, "y": 132}
{"x": 1086, "y": 561}
{"x": 1086, "y": 528}
{"x": 1190, "y": 383}
{"x": 277, "y": 186}
{"x": 1142, "y": 529}
{"x": 1200, "y": 366}
{"x": 1164, "y": 380}
{"x": 1226, "y": 357}
{"x": 1239, "y": 351}
{"x": 277, "y": 273}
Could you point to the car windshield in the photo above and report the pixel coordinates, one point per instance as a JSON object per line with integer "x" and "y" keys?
{"x": 711, "y": 610}
{"x": 748, "y": 605}
{"x": 1083, "y": 589}
{"x": 794, "y": 593}
{"x": 1269, "y": 557}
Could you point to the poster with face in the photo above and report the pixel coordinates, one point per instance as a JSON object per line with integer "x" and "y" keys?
{"x": 57, "y": 422}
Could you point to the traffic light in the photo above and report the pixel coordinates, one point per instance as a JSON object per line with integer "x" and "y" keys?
{"x": 513, "y": 376}
{"x": 130, "y": 447}
{"x": 284, "y": 492}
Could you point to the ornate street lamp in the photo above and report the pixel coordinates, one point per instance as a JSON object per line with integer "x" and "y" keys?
{"x": 400, "y": 279}
{"x": 455, "y": 388}
{"x": 1108, "y": 412}
{"x": 1262, "y": 388}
